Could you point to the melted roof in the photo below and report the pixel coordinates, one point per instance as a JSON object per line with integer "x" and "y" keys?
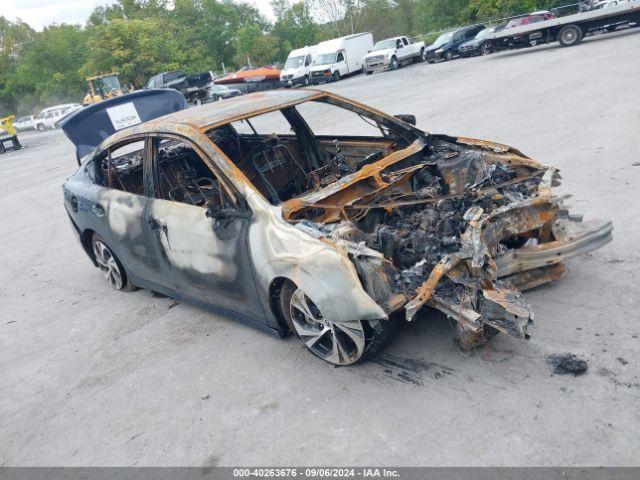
{"x": 217, "y": 113}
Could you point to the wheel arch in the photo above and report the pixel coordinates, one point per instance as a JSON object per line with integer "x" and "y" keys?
{"x": 85, "y": 239}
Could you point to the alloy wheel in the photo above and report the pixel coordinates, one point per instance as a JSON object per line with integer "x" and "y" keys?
{"x": 340, "y": 343}
{"x": 108, "y": 264}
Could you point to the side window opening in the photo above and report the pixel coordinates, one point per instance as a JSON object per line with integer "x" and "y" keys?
{"x": 268, "y": 151}
{"x": 340, "y": 57}
{"x": 287, "y": 153}
{"x": 405, "y": 41}
{"x": 120, "y": 167}
{"x": 182, "y": 176}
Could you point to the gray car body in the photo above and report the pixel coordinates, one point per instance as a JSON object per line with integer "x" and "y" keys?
{"x": 232, "y": 270}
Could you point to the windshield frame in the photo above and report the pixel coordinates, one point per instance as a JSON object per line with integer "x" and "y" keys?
{"x": 390, "y": 44}
{"x": 333, "y": 56}
{"x": 446, "y": 37}
{"x": 299, "y": 62}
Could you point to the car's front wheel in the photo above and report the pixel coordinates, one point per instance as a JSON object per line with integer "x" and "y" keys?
{"x": 339, "y": 343}
{"x": 41, "y": 127}
{"x": 448, "y": 56}
{"x": 485, "y": 49}
{"x": 109, "y": 264}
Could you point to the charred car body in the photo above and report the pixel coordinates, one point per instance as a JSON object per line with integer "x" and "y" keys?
{"x": 251, "y": 208}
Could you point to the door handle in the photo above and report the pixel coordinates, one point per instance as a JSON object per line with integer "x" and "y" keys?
{"x": 98, "y": 210}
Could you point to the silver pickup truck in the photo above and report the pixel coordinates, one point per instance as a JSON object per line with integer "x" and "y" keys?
{"x": 390, "y": 53}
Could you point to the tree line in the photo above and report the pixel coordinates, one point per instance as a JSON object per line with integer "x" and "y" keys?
{"x": 140, "y": 38}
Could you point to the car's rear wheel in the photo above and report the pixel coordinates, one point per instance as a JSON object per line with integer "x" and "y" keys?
{"x": 339, "y": 343}
{"x": 570, "y": 35}
{"x": 109, "y": 264}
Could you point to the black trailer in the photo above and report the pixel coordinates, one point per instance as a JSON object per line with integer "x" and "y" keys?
{"x": 569, "y": 30}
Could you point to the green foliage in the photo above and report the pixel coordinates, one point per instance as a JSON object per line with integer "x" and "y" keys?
{"x": 140, "y": 38}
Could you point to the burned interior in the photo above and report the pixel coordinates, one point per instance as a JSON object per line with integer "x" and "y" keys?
{"x": 459, "y": 225}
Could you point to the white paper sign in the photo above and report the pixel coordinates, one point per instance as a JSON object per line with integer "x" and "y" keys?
{"x": 123, "y": 116}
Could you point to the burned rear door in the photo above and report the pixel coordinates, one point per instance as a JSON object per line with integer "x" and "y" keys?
{"x": 200, "y": 231}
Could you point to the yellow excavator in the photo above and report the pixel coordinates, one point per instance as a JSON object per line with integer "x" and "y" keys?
{"x": 103, "y": 87}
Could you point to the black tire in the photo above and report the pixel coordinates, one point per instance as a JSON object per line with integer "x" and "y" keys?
{"x": 394, "y": 65}
{"x": 368, "y": 72}
{"x": 485, "y": 49}
{"x": 305, "y": 81}
{"x": 570, "y": 36}
{"x": 336, "y": 76}
{"x": 378, "y": 334}
{"x": 423, "y": 55}
{"x": 41, "y": 127}
{"x": 448, "y": 56}
{"x": 102, "y": 254}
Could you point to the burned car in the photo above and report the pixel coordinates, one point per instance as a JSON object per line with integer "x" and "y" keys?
{"x": 302, "y": 211}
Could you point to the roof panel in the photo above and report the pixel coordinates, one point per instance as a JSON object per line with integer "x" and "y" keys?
{"x": 243, "y": 106}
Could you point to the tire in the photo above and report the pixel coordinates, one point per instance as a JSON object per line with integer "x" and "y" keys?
{"x": 305, "y": 81}
{"x": 355, "y": 340}
{"x": 485, "y": 49}
{"x": 448, "y": 56}
{"x": 336, "y": 76}
{"x": 570, "y": 35}
{"x": 423, "y": 55}
{"x": 394, "y": 65}
{"x": 41, "y": 127}
{"x": 110, "y": 266}
{"x": 368, "y": 72}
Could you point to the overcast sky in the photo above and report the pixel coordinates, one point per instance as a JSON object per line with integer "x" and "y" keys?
{"x": 39, "y": 13}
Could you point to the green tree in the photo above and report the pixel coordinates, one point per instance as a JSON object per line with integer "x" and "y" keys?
{"x": 136, "y": 48}
{"x": 49, "y": 67}
{"x": 294, "y": 27}
{"x": 261, "y": 48}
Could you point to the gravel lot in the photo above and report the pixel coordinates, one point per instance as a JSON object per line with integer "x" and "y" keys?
{"x": 90, "y": 376}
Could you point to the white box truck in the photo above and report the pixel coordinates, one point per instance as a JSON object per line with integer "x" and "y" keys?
{"x": 340, "y": 57}
{"x": 296, "y": 68}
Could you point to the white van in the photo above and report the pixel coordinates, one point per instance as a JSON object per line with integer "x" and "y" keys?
{"x": 296, "y": 68}
{"x": 49, "y": 117}
{"x": 340, "y": 57}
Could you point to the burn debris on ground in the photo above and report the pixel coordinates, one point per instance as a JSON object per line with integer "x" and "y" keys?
{"x": 567, "y": 364}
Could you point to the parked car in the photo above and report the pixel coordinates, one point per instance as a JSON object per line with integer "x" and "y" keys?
{"x": 390, "y": 53}
{"x": 296, "y": 68}
{"x": 532, "y": 39}
{"x": 48, "y": 118}
{"x": 340, "y": 57}
{"x": 25, "y": 123}
{"x": 194, "y": 87}
{"x": 265, "y": 209}
{"x": 446, "y": 45}
{"x": 479, "y": 45}
{"x": 534, "y": 17}
{"x": 220, "y": 92}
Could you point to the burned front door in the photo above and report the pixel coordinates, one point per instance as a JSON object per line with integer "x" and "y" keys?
{"x": 200, "y": 232}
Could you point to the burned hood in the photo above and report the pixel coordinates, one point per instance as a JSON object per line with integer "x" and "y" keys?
{"x": 87, "y": 128}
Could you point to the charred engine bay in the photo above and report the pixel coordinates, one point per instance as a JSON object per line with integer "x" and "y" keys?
{"x": 417, "y": 212}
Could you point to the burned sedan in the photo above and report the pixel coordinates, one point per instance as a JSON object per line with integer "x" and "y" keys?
{"x": 301, "y": 211}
